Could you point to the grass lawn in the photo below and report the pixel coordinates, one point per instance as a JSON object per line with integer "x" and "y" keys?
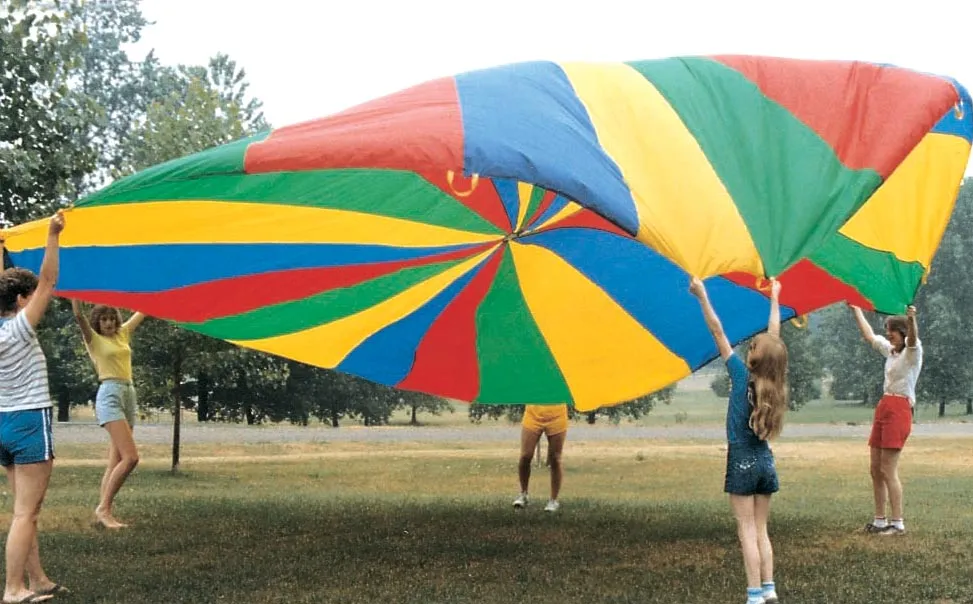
{"x": 642, "y": 521}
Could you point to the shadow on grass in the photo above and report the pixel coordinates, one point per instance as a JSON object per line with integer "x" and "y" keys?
{"x": 310, "y": 548}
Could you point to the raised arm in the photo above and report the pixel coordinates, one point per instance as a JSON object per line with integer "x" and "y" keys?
{"x": 133, "y": 322}
{"x": 863, "y": 325}
{"x": 81, "y": 320}
{"x": 912, "y": 331}
{"x": 712, "y": 321}
{"x": 773, "y": 323}
{"x": 47, "y": 279}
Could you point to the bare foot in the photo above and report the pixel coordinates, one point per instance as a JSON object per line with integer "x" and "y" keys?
{"x": 25, "y": 596}
{"x": 105, "y": 519}
{"x": 48, "y": 587}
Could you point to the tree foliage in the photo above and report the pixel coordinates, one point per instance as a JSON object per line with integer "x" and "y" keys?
{"x": 43, "y": 117}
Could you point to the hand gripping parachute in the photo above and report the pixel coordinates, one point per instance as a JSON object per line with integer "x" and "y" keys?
{"x": 526, "y": 233}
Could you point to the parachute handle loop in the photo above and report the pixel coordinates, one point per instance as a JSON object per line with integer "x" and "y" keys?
{"x": 763, "y": 284}
{"x": 474, "y": 182}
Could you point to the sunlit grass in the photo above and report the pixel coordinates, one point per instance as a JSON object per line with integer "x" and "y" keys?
{"x": 643, "y": 521}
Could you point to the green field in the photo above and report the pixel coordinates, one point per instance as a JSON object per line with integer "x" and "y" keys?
{"x": 642, "y": 521}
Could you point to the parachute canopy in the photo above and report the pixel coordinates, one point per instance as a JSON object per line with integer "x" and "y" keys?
{"x": 526, "y": 233}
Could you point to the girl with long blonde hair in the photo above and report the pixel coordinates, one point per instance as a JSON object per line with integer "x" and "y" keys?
{"x": 755, "y": 415}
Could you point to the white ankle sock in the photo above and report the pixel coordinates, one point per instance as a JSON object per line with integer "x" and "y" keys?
{"x": 770, "y": 590}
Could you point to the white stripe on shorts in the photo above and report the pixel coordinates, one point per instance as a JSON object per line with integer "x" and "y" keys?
{"x": 48, "y": 444}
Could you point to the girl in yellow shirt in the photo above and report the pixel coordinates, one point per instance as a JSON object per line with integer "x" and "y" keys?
{"x": 108, "y": 342}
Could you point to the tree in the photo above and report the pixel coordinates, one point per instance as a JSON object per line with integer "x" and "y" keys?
{"x": 322, "y": 393}
{"x": 230, "y": 83}
{"x": 71, "y": 374}
{"x": 44, "y": 156}
{"x": 720, "y": 385}
{"x": 631, "y": 410}
{"x": 804, "y": 368}
{"x": 65, "y": 61}
{"x": 942, "y": 305}
{"x": 243, "y": 384}
{"x": 192, "y": 117}
{"x": 41, "y": 150}
{"x": 120, "y": 89}
{"x": 854, "y": 367}
{"x": 857, "y": 371}
{"x": 419, "y": 401}
{"x": 478, "y": 411}
{"x": 370, "y": 401}
{"x": 187, "y": 120}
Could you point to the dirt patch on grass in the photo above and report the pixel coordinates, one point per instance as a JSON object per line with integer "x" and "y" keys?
{"x": 938, "y": 453}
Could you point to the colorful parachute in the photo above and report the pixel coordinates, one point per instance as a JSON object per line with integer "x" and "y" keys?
{"x": 526, "y": 233}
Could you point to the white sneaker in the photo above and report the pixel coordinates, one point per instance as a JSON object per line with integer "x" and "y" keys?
{"x": 521, "y": 501}
{"x": 892, "y": 530}
{"x": 552, "y": 506}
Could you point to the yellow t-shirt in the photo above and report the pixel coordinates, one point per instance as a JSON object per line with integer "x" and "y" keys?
{"x": 112, "y": 356}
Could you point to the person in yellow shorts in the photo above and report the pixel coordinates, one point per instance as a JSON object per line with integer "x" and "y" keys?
{"x": 551, "y": 420}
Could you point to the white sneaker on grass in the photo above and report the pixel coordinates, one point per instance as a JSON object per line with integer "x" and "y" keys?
{"x": 521, "y": 501}
{"x": 552, "y": 506}
{"x": 892, "y": 531}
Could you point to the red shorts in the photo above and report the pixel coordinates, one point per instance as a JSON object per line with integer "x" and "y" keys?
{"x": 892, "y": 424}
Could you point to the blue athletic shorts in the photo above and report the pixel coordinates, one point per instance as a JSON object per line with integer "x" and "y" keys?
{"x": 115, "y": 401}
{"x": 750, "y": 471}
{"x": 26, "y": 436}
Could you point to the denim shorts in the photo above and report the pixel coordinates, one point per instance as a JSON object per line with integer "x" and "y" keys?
{"x": 26, "y": 436}
{"x": 115, "y": 401}
{"x": 750, "y": 471}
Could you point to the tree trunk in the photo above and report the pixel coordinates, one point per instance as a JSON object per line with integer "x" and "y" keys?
{"x": 591, "y": 417}
{"x": 177, "y": 408}
{"x": 202, "y": 397}
{"x": 251, "y": 418}
{"x": 63, "y": 407}
{"x": 334, "y": 414}
{"x": 414, "y": 421}
{"x": 942, "y": 406}
{"x": 969, "y": 406}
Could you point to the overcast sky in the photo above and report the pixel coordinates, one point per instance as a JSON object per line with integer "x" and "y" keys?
{"x": 309, "y": 58}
